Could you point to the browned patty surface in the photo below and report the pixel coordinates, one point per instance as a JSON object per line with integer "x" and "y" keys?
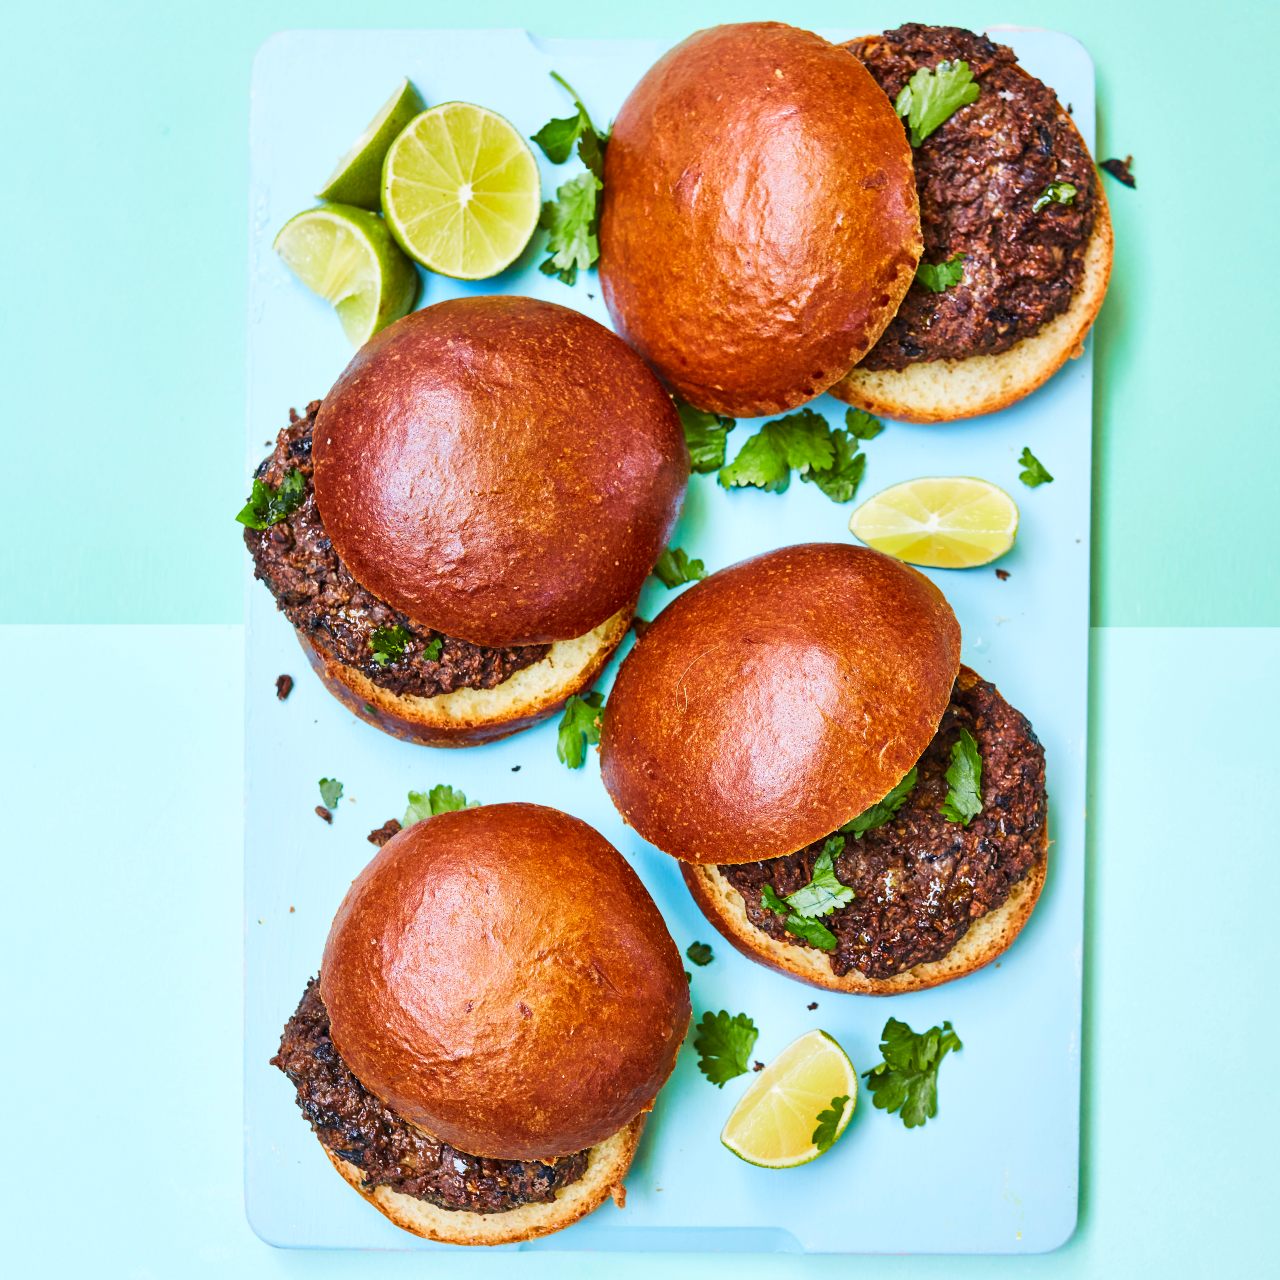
{"x": 390, "y": 1152}
{"x": 979, "y": 176}
{"x": 317, "y": 593}
{"x": 920, "y": 881}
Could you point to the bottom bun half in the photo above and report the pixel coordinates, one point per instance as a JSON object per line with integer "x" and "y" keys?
{"x": 607, "y": 1165}
{"x": 946, "y": 390}
{"x": 466, "y": 717}
{"x": 987, "y": 938}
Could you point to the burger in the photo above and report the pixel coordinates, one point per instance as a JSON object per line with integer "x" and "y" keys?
{"x": 1017, "y": 237}
{"x": 498, "y": 1005}
{"x": 459, "y": 530}
{"x": 760, "y": 223}
{"x": 850, "y": 804}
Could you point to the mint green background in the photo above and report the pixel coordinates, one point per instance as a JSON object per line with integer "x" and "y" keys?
{"x": 123, "y": 242}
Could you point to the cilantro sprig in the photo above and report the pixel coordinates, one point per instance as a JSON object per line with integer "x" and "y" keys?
{"x": 964, "y": 781}
{"x": 389, "y": 644}
{"x": 674, "y": 568}
{"x": 723, "y": 1042}
{"x": 268, "y": 506}
{"x": 440, "y": 799}
{"x": 882, "y": 810}
{"x": 1055, "y": 193}
{"x": 938, "y": 277}
{"x": 931, "y": 97}
{"x": 579, "y": 729}
{"x": 828, "y": 1129}
{"x": 705, "y": 434}
{"x": 1033, "y": 473}
{"x": 825, "y": 892}
{"x": 906, "y": 1081}
{"x": 330, "y": 792}
{"x": 700, "y": 953}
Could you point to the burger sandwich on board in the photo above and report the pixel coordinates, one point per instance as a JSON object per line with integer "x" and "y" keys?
{"x": 850, "y": 804}
{"x": 498, "y": 1005}
{"x": 460, "y": 529}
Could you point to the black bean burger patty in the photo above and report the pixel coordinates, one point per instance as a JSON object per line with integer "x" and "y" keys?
{"x": 920, "y": 881}
{"x": 317, "y": 593}
{"x": 979, "y": 176}
{"x": 390, "y": 1152}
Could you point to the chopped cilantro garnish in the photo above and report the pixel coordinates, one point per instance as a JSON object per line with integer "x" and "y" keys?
{"x": 964, "y": 781}
{"x": 938, "y": 277}
{"x": 907, "y": 1080}
{"x": 579, "y": 728}
{"x": 820, "y": 897}
{"x": 723, "y": 1044}
{"x": 803, "y": 442}
{"x": 841, "y": 479}
{"x": 268, "y": 506}
{"x": 700, "y": 953}
{"x": 1055, "y": 193}
{"x": 388, "y": 644}
{"x": 440, "y": 799}
{"x": 705, "y": 434}
{"x": 556, "y": 137}
{"x": 1033, "y": 473}
{"x": 882, "y": 810}
{"x": 930, "y": 98}
{"x": 674, "y": 568}
{"x": 431, "y": 650}
{"x": 572, "y": 221}
{"x": 861, "y": 425}
{"x": 330, "y": 792}
{"x": 829, "y": 1123}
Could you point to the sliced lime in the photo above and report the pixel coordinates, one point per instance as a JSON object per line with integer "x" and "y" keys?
{"x": 796, "y": 1107}
{"x": 347, "y": 256}
{"x": 460, "y": 191}
{"x": 357, "y": 179}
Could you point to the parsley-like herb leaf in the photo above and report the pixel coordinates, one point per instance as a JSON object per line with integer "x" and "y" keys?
{"x": 440, "y": 799}
{"x": 820, "y": 897}
{"x": 1033, "y": 473}
{"x": 907, "y": 1080}
{"x": 674, "y": 568}
{"x": 268, "y": 506}
{"x": 799, "y": 441}
{"x": 882, "y": 810}
{"x": 938, "y": 277}
{"x": 388, "y": 644}
{"x": 556, "y": 137}
{"x": 861, "y": 425}
{"x": 1055, "y": 193}
{"x": 579, "y": 728}
{"x": 841, "y": 479}
{"x": 330, "y": 792}
{"x": 828, "y": 1129}
{"x": 700, "y": 953}
{"x": 724, "y": 1045}
{"x": 931, "y": 97}
{"x": 572, "y": 220}
{"x": 431, "y": 650}
{"x": 964, "y": 781}
{"x": 705, "y": 434}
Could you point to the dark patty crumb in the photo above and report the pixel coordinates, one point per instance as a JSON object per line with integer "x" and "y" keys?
{"x": 1002, "y": 574}
{"x": 978, "y": 175}
{"x": 812, "y": 1005}
{"x": 921, "y": 881}
{"x": 322, "y": 812}
{"x": 284, "y": 687}
{"x": 1121, "y": 170}
{"x": 390, "y": 1152}
{"x": 380, "y": 835}
{"x": 317, "y": 593}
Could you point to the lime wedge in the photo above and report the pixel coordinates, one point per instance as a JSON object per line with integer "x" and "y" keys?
{"x": 460, "y": 191}
{"x": 347, "y": 256}
{"x": 943, "y": 522}
{"x": 779, "y": 1121}
{"x": 358, "y": 177}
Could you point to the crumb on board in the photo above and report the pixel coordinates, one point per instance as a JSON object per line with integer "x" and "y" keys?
{"x": 322, "y": 812}
{"x": 1120, "y": 170}
{"x": 380, "y": 835}
{"x": 812, "y": 1006}
{"x": 1002, "y": 574}
{"x": 757, "y": 1065}
{"x": 284, "y": 687}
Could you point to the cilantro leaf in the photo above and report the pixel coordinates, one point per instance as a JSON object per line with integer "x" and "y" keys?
{"x": 431, "y": 650}
{"x": 1033, "y": 473}
{"x": 931, "y": 97}
{"x": 882, "y": 810}
{"x": 330, "y": 792}
{"x": 1055, "y": 193}
{"x": 579, "y": 728}
{"x": 907, "y": 1080}
{"x": 938, "y": 277}
{"x": 812, "y": 931}
{"x": 440, "y": 799}
{"x": 724, "y": 1045}
{"x": 268, "y": 506}
{"x": 841, "y": 479}
{"x": 700, "y": 953}
{"x": 556, "y": 137}
{"x": 674, "y": 568}
{"x": 828, "y": 1129}
{"x": 388, "y": 644}
{"x": 824, "y": 892}
{"x": 800, "y": 441}
{"x": 861, "y": 425}
{"x": 705, "y": 434}
{"x": 964, "y": 780}
{"x": 572, "y": 221}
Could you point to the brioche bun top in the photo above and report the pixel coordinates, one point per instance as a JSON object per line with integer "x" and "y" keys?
{"x": 500, "y": 977}
{"x": 777, "y": 699}
{"x": 760, "y": 222}
{"x": 499, "y": 469}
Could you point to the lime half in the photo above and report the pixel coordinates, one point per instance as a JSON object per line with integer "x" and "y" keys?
{"x": 347, "y": 255}
{"x": 780, "y": 1121}
{"x": 943, "y": 522}
{"x": 358, "y": 177}
{"x": 460, "y": 191}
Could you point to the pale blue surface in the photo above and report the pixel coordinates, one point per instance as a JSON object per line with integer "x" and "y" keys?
{"x": 1019, "y": 1019}
{"x": 123, "y": 939}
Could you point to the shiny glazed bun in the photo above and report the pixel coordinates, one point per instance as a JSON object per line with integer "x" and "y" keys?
{"x": 776, "y": 700}
{"x": 500, "y": 977}
{"x": 499, "y": 469}
{"x": 760, "y": 222}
